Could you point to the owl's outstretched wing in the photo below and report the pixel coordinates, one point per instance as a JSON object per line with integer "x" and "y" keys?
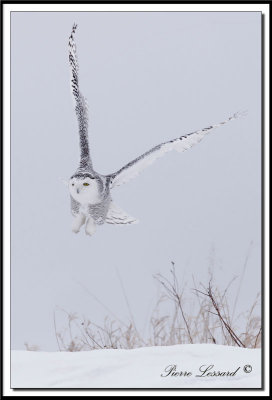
{"x": 81, "y": 106}
{"x": 180, "y": 144}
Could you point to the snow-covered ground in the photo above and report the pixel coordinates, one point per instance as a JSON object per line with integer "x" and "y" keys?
{"x": 139, "y": 368}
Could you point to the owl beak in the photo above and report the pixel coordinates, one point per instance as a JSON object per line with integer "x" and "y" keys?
{"x": 78, "y": 190}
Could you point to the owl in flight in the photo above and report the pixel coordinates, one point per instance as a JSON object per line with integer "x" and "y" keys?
{"x": 90, "y": 192}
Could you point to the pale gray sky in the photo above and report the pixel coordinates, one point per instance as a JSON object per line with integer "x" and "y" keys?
{"x": 148, "y": 77}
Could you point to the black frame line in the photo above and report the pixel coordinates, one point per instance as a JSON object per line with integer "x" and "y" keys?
{"x": 262, "y": 388}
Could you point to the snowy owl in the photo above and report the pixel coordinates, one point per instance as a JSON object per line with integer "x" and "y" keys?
{"x": 90, "y": 192}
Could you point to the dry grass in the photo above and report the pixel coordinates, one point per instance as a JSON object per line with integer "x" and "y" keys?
{"x": 210, "y": 320}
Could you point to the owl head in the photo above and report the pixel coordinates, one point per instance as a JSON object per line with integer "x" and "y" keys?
{"x": 85, "y": 188}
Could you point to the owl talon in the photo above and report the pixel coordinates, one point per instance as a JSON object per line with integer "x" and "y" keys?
{"x": 78, "y": 222}
{"x": 90, "y": 227}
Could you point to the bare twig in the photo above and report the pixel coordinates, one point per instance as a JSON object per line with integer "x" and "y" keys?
{"x": 225, "y": 324}
{"x": 242, "y": 278}
{"x": 173, "y": 290}
{"x": 257, "y": 337}
{"x": 55, "y": 329}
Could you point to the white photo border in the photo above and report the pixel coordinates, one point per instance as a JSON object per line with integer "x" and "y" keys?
{"x": 7, "y": 8}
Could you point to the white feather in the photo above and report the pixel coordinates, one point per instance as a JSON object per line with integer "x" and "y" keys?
{"x": 117, "y": 216}
{"x": 180, "y": 144}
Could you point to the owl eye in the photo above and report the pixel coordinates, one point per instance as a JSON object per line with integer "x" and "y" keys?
{"x": 85, "y": 184}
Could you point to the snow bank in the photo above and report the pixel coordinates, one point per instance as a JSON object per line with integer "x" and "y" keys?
{"x": 139, "y": 368}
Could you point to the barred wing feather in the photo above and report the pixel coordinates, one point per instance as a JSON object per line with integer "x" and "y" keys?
{"x": 133, "y": 168}
{"x": 81, "y": 106}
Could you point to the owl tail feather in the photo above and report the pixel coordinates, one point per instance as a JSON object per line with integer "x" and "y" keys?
{"x": 117, "y": 216}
